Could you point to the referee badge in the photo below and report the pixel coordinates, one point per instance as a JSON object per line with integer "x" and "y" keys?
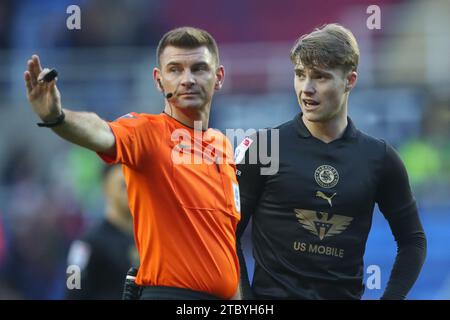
{"x": 326, "y": 176}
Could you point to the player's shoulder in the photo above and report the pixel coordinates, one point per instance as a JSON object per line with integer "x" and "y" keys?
{"x": 373, "y": 144}
{"x": 263, "y": 137}
{"x": 285, "y": 131}
{"x": 288, "y": 125}
{"x": 283, "y": 127}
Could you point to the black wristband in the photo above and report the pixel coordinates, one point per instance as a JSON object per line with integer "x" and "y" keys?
{"x": 54, "y": 123}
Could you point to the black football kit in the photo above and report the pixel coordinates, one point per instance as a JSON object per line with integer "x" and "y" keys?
{"x": 311, "y": 219}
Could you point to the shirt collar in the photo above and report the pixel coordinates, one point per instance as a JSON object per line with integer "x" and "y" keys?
{"x": 302, "y": 130}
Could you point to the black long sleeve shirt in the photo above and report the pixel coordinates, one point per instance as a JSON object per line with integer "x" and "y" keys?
{"x": 311, "y": 218}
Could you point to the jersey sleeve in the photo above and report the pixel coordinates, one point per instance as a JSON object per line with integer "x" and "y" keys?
{"x": 136, "y": 135}
{"x": 397, "y": 204}
{"x": 251, "y": 181}
{"x": 251, "y": 186}
{"x": 394, "y": 194}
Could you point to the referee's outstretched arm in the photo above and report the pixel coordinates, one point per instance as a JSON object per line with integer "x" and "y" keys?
{"x": 86, "y": 129}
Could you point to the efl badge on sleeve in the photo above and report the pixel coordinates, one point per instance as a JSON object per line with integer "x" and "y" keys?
{"x": 239, "y": 153}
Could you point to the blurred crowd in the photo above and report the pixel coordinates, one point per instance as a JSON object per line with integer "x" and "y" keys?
{"x": 40, "y": 220}
{"x": 36, "y": 24}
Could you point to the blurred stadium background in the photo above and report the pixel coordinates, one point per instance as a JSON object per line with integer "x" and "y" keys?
{"x": 50, "y": 190}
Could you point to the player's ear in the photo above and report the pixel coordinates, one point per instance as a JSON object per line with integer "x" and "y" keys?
{"x": 350, "y": 80}
{"x": 220, "y": 77}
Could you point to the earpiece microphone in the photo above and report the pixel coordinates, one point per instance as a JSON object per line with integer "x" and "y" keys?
{"x": 168, "y": 95}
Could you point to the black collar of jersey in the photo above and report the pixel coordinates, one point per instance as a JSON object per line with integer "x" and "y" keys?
{"x": 302, "y": 130}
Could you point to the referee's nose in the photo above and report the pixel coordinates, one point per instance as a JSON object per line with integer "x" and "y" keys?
{"x": 188, "y": 79}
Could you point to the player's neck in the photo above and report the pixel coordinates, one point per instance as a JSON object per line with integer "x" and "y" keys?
{"x": 189, "y": 117}
{"x": 327, "y": 131}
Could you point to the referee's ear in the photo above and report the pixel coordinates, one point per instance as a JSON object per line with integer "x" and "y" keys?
{"x": 157, "y": 79}
{"x": 220, "y": 77}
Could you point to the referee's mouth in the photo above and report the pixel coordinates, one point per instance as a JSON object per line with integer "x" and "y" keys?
{"x": 188, "y": 94}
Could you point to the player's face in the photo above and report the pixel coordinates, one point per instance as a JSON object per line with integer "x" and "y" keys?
{"x": 191, "y": 75}
{"x": 321, "y": 93}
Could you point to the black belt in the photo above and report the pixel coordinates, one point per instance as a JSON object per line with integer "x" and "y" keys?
{"x": 173, "y": 293}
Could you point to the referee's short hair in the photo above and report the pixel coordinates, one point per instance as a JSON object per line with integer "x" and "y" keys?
{"x": 189, "y": 38}
{"x": 328, "y": 46}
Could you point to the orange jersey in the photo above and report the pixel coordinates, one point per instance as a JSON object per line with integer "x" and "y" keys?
{"x": 184, "y": 198}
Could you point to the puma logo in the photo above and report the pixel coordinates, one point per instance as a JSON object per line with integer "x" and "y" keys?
{"x": 322, "y": 195}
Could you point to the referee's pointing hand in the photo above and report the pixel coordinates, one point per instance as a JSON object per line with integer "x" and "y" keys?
{"x": 44, "y": 97}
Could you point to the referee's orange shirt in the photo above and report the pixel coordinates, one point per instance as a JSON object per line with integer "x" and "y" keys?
{"x": 185, "y": 214}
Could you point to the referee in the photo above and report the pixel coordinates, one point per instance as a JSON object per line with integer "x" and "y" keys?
{"x": 181, "y": 179}
{"x": 311, "y": 219}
